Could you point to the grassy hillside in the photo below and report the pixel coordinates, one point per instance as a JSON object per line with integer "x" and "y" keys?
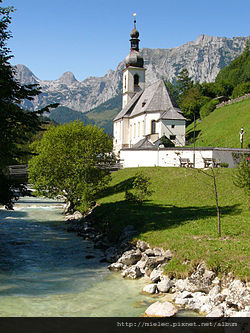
{"x": 221, "y": 128}
{"x": 181, "y": 216}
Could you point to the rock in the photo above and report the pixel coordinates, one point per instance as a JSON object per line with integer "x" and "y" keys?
{"x": 150, "y": 288}
{"x": 156, "y": 274}
{"x": 158, "y": 309}
{"x": 111, "y": 254}
{"x": 238, "y": 295}
{"x": 158, "y": 251}
{"x": 142, "y": 246}
{"x": 219, "y": 298}
{"x": 115, "y": 267}
{"x": 216, "y": 281}
{"x": 149, "y": 252}
{"x": 242, "y": 314}
{"x": 155, "y": 261}
{"x": 132, "y": 272}
{"x": 130, "y": 257}
{"x": 214, "y": 292}
{"x": 216, "y": 313}
{"x": 168, "y": 254}
{"x": 164, "y": 285}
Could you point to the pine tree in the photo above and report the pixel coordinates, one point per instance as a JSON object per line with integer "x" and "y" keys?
{"x": 16, "y": 124}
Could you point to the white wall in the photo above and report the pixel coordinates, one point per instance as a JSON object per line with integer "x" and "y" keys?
{"x": 162, "y": 157}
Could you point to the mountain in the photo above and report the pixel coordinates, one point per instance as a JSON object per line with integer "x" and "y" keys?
{"x": 203, "y": 58}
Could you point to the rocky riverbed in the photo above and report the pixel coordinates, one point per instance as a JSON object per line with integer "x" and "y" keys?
{"x": 202, "y": 291}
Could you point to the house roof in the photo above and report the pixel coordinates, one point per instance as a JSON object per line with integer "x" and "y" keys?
{"x": 155, "y": 98}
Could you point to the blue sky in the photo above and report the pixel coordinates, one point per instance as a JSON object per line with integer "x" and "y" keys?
{"x": 89, "y": 37}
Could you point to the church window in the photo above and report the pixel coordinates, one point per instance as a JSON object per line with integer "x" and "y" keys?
{"x": 172, "y": 137}
{"x": 153, "y": 127}
{"x": 172, "y": 126}
{"x": 136, "y": 79}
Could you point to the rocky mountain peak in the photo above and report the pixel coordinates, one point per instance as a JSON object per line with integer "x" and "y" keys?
{"x": 24, "y": 75}
{"x": 67, "y": 78}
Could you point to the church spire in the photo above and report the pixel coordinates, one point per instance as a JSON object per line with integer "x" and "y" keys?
{"x": 134, "y": 37}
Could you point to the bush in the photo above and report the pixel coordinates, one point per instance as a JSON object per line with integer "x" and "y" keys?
{"x": 242, "y": 175}
{"x": 140, "y": 190}
{"x": 241, "y": 89}
{"x": 208, "y": 108}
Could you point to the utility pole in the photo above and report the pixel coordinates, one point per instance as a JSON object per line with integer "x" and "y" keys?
{"x": 194, "y": 142}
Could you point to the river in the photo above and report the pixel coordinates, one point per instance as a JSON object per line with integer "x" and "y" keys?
{"x": 44, "y": 270}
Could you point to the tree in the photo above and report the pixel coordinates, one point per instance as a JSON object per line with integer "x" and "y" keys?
{"x": 16, "y": 124}
{"x": 184, "y": 82}
{"x": 241, "y": 176}
{"x": 141, "y": 189}
{"x": 212, "y": 174}
{"x": 72, "y": 161}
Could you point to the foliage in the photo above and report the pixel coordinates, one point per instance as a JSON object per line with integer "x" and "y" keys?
{"x": 72, "y": 161}
{"x": 191, "y": 102}
{"x": 209, "y": 107}
{"x": 63, "y": 115}
{"x": 238, "y": 71}
{"x": 141, "y": 189}
{"x": 173, "y": 89}
{"x": 183, "y": 82}
{"x": 181, "y": 216}
{"x": 242, "y": 175}
{"x": 241, "y": 89}
{"x": 16, "y": 124}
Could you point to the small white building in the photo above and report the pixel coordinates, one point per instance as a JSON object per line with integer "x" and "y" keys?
{"x": 147, "y": 113}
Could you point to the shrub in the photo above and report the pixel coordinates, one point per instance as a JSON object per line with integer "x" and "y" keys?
{"x": 224, "y": 165}
{"x": 208, "y": 108}
{"x": 241, "y": 89}
{"x": 242, "y": 175}
{"x": 140, "y": 189}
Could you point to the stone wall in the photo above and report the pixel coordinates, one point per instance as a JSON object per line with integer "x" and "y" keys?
{"x": 231, "y": 101}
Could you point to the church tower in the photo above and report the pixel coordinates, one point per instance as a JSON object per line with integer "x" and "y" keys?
{"x": 134, "y": 73}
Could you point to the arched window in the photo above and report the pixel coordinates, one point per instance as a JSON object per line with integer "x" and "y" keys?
{"x": 136, "y": 79}
{"x": 153, "y": 127}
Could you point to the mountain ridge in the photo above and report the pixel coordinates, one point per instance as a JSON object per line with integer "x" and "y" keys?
{"x": 203, "y": 58}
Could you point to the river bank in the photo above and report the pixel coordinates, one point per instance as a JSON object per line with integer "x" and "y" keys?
{"x": 202, "y": 291}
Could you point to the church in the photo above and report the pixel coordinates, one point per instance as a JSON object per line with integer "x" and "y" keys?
{"x": 150, "y": 116}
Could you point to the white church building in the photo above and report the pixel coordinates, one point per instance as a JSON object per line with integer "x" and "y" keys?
{"x": 147, "y": 114}
{"x": 150, "y": 128}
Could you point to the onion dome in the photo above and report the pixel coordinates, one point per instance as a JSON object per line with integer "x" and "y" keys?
{"x": 134, "y": 59}
{"x": 134, "y": 33}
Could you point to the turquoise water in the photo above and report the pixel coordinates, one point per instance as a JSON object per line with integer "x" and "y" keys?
{"x": 44, "y": 272}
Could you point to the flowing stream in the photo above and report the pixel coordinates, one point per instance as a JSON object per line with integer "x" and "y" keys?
{"x": 44, "y": 270}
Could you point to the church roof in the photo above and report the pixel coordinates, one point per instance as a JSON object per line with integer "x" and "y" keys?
{"x": 126, "y": 111}
{"x": 144, "y": 144}
{"x": 155, "y": 98}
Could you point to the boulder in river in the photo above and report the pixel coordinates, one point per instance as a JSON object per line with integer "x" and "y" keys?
{"x": 158, "y": 309}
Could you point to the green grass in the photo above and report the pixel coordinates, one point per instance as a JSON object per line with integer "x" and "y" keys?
{"x": 221, "y": 128}
{"x": 181, "y": 216}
